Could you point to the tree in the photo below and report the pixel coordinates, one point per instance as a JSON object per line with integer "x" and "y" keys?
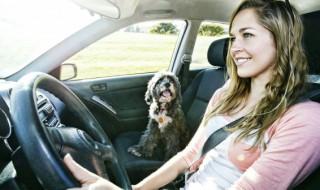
{"x": 164, "y": 28}
{"x": 211, "y": 30}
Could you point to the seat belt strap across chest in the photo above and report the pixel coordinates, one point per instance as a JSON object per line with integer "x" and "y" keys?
{"x": 218, "y": 136}
{"x": 221, "y": 134}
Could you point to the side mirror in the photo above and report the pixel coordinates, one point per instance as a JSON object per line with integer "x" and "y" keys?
{"x": 68, "y": 71}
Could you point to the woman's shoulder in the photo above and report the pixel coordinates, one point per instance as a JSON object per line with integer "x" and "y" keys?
{"x": 303, "y": 118}
{"x": 306, "y": 108}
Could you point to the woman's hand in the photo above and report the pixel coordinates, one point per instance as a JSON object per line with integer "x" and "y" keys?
{"x": 87, "y": 179}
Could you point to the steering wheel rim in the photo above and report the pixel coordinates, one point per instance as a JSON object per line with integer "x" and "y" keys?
{"x": 34, "y": 139}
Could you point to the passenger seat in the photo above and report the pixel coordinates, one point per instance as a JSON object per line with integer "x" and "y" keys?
{"x": 195, "y": 100}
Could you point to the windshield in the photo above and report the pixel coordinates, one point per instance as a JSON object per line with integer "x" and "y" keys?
{"x": 29, "y": 28}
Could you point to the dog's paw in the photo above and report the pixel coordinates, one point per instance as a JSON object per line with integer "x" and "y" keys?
{"x": 134, "y": 150}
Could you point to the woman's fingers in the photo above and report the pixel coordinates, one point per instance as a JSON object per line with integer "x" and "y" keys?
{"x": 88, "y": 180}
{"x": 80, "y": 173}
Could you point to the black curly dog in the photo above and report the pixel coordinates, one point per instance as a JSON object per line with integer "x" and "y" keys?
{"x": 166, "y": 133}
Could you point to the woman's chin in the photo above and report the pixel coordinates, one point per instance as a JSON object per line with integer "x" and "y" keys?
{"x": 244, "y": 74}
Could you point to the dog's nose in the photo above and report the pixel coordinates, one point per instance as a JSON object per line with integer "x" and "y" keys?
{"x": 167, "y": 85}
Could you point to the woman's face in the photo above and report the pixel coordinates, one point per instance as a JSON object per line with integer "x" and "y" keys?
{"x": 252, "y": 46}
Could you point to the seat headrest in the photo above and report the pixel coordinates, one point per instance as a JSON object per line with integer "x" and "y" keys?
{"x": 217, "y": 52}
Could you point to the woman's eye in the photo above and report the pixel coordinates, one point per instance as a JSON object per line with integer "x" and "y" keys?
{"x": 232, "y": 39}
{"x": 247, "y": 35}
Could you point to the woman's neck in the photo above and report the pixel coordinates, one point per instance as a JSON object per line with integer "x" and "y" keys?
{"x": 257, "y": 91}
{"x": 258, "y": 86}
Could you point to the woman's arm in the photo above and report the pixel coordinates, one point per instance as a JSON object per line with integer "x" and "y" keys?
{"x": 167, "y": 173}
{"x": 292, "y": 154}
{"x": 164, "y": 175}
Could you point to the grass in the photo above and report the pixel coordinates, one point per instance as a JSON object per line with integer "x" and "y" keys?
{"x": 131, "y": 53}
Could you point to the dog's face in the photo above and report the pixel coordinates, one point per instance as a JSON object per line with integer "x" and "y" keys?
{"x": 163, "y": 88}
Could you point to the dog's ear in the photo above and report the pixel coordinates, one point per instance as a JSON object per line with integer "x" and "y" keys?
{"x": 148, "y": 97}
{"x": 178, "y": 86}
{"x": 151, "y": 85}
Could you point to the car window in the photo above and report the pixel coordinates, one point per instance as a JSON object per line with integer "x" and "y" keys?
{"x": 208, "y": 32}
{"x": 30, "y": 28}
{"x": 139, "y": 48}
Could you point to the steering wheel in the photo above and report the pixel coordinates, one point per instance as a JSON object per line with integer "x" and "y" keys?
{"x": 44, "y": 146}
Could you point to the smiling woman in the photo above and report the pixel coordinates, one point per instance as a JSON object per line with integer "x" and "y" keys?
{"x": 35, "y": 25}
{"x": 99, "y": 110}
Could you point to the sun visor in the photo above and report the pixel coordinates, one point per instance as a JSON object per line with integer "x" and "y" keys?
{"x": 116, "y": 9}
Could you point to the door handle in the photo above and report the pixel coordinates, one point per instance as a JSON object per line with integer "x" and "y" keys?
{"x": 104, "y": 104}
{"x": 99, "y": 87}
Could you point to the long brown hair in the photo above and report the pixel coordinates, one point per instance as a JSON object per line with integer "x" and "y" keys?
{"x": 288, "y": 75}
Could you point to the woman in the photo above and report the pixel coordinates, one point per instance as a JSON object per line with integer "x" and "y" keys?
{"x": 267, "y": 70}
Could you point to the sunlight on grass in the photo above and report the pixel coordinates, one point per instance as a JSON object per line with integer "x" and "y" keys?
{"x": 125, "y": 53}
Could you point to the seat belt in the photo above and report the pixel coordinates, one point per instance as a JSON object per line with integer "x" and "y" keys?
{"x": 215, "y": 138}
{"x": 184, "y": 73}
{"x": 221, "y": 134}
{"x": 218, "y": 136}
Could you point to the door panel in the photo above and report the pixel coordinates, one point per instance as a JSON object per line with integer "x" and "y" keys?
{"x": 117, "y": 97}
{"x": 117, "y": 102}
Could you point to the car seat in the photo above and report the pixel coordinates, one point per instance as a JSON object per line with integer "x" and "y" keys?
{"x": 195, "y": 100}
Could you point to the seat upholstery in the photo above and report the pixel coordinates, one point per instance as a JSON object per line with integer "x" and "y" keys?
{"x": 195, "y": 100}
{"x": 198, "y": 94}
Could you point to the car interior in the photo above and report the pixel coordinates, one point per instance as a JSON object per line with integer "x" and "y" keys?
{"x": 197, "y": 95}
{"x": 96, "y": 120}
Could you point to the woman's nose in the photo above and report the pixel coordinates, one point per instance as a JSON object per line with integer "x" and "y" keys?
{"x": 235, "y": 46}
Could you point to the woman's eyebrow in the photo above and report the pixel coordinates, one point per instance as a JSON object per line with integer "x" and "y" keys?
{"x": 241, "y": 30}
{"x": 245, "y": 28}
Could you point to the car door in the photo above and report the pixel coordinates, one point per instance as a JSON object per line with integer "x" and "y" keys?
{"x": 112, "y": 73}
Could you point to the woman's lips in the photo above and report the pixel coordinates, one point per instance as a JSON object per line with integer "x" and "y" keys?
{"x": 241, "y": 61}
